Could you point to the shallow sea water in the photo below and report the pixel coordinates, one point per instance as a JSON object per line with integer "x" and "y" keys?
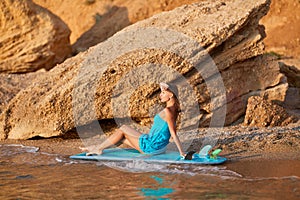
{"x": 27, "y": 173}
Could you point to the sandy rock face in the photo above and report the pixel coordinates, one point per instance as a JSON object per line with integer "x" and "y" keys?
{"x": 11, "y": 84}
{"x": 31, "y": 37}
{"x": 283, "y": 21}
{"x": 120, "y": 15}
{"x": 200, "y": 47}
{"x": 104, "y": 18}
{"x": 263, "y": 113}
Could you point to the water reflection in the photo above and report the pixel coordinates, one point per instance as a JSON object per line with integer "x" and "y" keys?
{"x": 156, "y": 191}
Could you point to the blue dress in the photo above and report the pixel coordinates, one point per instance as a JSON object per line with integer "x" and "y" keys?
{"x": 158, "y": 137}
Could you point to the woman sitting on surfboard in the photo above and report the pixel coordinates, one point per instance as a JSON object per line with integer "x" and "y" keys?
{"x": 163, "y": 128}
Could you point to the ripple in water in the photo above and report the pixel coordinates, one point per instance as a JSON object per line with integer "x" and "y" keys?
{"x": 20, "y": 154}
{"x": 139, "y": 166}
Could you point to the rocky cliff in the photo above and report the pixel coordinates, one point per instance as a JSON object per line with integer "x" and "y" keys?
{"x": 183, "y": 46}
{"x": 31, "y": 37}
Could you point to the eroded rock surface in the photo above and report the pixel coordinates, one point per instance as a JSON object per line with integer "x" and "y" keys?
{"x": 11, "y": 84}
{"x": 31, "y": 37}
{"x": 263, "y": 113}
{"x": 104, "y": 18}
{"x": 283, "y": 28}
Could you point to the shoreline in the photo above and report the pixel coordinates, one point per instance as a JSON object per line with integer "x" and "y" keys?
{"x": 238, "y": 140}
{"x": 265, "y": 153}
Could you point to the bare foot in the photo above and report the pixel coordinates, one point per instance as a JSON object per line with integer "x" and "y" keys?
{"x": 99, "y": 152}
{"x": 89, "y": 148}
{"x": 83, "y": 148}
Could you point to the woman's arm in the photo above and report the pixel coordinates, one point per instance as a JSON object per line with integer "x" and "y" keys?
{"x": 171, "y": 123}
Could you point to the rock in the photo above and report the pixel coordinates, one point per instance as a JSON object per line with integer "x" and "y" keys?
{"x": 102, "y": 19}
{"x": 120, "y": 76}
{"x": 11, "y": 84}
{"x": 283, "y": 21}
{"x": 31, "y": 37}
{"x": 292, "y": 72}
{"x": 280, "y": 22}
{"x": 41, "y": 101}
{"x": 120, "y": 15}
{"x": 263, "y": 113}
{"x": 257, "y": 76}
{"x": 291, "y": 69}
{"x": 108, "y": 24}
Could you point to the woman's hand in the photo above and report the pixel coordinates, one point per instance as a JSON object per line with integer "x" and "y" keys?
{"x": 182, "y": 156}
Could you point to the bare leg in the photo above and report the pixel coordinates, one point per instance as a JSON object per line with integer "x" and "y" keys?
{"x": 132, "y": 137}
{"x": 126, "y": 133}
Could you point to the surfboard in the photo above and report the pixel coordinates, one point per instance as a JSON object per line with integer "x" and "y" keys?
{"x": 169, "y": 157}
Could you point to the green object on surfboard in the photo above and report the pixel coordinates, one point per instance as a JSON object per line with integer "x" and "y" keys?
{"x": 215, "y": 153}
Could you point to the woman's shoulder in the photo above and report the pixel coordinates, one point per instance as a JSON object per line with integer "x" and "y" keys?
{"x": 168, "y": 113}
{"x": 164, "y": 113}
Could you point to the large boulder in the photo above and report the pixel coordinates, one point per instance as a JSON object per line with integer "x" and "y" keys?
{"x": 104, "y": 82}
{"x": 31, "y": 37}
